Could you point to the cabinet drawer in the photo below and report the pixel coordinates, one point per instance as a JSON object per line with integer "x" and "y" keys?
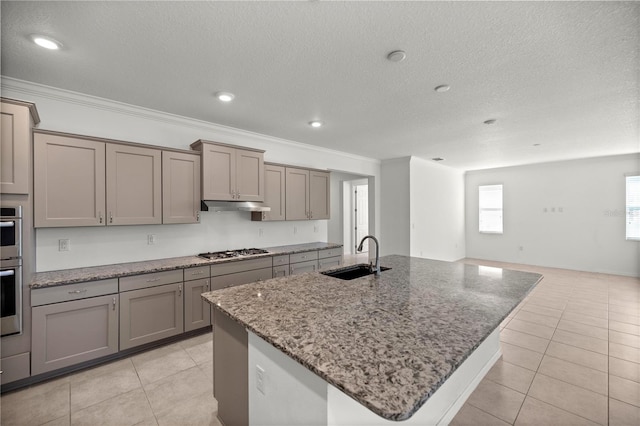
{"x": 329, "y": 262}
{"x": 302, "y": 267}
{"x": 322, "y": 254}
{"x": 240, "y": 266}
{"x": 304, "y": 257}
{"x": 281, "y": 260}
{"x": 197, "y": 273}
{"x": 150, "y": 280}
{"x": 64, "y": 293}
{"x": 238, "y": 278}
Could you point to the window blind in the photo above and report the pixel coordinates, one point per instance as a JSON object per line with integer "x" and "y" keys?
{"x": 490, "y": 208}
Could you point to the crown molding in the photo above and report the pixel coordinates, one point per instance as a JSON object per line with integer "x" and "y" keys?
{"x": 67, "y": 96}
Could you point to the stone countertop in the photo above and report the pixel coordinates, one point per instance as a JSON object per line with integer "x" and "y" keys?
{"x": 387, "y": 342}
{"x": 94, "y": 273}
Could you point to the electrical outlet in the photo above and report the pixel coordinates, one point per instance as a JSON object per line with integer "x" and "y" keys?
{"x": 260, "y": 379}
{"x": 63, "y": 245}
{"x": 261, "y": 232}
{"x": 315, "y": 229}
{"x": 295, "y": 230}
{"x": 151, "y": 239}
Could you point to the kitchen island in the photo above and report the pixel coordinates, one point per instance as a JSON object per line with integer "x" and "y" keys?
{"x": 423, "y": 331}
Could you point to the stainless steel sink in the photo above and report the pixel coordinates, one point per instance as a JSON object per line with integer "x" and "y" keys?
{"x": 352, "y": 272}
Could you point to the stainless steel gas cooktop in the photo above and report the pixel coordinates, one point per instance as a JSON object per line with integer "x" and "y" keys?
{"x": 232, "y": 253}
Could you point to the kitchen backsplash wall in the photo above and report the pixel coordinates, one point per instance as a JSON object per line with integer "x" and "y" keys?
{"x": 216, "y": 231}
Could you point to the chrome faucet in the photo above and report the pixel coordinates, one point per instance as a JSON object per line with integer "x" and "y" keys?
{"x": 377, "y": 267}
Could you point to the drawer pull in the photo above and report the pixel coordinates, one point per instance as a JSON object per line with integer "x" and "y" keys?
{"x": 179, "y": 289}
{"x": 197, "y": 273}
{"x": 153, "y": 280}
{"x": 84, "y": 290}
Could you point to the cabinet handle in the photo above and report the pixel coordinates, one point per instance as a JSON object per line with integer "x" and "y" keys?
{"x": 197, "y": 273}
{"x": 114, "y": 303}
{"x": 84, "y": 290}
{"x": 198, "y": 217}
{"x": 310, "y": 214}
{"x": 100, "y": 216}
{"x": 110, "y": 217}
{"x": 264, "y": 215}
{"x": 179, "y": 289}
{"x": 153, "y": 280}
{"x": 206, "y": 286}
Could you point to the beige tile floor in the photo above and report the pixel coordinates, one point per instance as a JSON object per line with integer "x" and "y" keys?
{"x": 571, "y": 356}
{"x": 172, "y": 385}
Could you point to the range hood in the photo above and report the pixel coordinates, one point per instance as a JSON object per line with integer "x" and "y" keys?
{"x": 231, "y": 206}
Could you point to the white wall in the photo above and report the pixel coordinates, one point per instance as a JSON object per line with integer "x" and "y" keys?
{"x": 82, "y": 114}
{"x": 587, "y": 235}
{"x": 437, "y": 211}
{"x": 395, "y": 207}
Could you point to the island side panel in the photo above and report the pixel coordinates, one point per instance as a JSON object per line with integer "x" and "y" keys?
{"x": 286, "y": 393}
{"x": 230, "y": 360}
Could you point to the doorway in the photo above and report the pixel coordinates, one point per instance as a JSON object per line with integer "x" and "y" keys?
{"x": 360, "y": 215}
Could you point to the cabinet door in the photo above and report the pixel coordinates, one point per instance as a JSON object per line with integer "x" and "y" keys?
{"x": 15, "y": 139}
{"x": 302, "y": 267}
{"x": 134, "y": 179}
{"x": 297, "y": 194}
{"x": 329, "y": 262}
{"x": 274, "y": 192}
{"x": 280, "y": 271}
{"x": 68, "y": 333}
{"x": 319, "y": 200}
{"x": 150, "y": 314}
{"x": 249, "y": 175}
{"x": 180, "y": 187}
{"x": 197, "y": 312}
{"x": 69, "y": 181}
{"x": 218, "y": 172}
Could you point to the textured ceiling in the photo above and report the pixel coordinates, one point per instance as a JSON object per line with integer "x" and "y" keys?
{"x": 564, "y": 75}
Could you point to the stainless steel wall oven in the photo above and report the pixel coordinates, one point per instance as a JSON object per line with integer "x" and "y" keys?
{"x": 11, "y": 269}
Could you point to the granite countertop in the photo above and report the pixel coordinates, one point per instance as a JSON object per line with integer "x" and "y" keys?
{"x": 388, "y": 342}
{"x": 94, "y": 273}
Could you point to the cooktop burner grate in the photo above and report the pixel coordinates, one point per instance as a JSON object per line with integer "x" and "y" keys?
{"x": 225, "y": 254}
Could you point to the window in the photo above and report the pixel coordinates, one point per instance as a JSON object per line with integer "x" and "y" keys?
{"x": 490, "y": 208}
{"x": 633, "y": 207}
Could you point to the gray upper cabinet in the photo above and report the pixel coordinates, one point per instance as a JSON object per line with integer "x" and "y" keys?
{"x": 16, "y": 120}
{"x": 319, "y": 197}
{"x": 297, "y": 194}
{"x": 134, "y": 185}
{"x": 274, "y": 194}
{"x": 231, "y": 173}
{"x": 180, "y": 187}
{"x": 69, "y": 181}
{"x": 307, "y": 194}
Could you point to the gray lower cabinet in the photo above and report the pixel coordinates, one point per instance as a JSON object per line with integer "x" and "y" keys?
{"x": 197, "y": 312}
{"x": 69, "y": 333}
{"x": 303, "y": 267}
{"x": 329, "y": 262}
{"x": 281, "y": 271}
{"x": 151, "y": 314}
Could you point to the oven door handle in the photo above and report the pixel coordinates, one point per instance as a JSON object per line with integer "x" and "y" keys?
{"x": 8, "y": 273}
{"x": 9, "y": 224}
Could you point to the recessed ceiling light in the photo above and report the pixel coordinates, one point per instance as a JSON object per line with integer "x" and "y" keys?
{"x": 225, "y": 96}
{"x": 438, "y": 159}
{"x": 46, "y": 42}
{"x": 442, "y": 88}
{"x": 397, "y": 56}
{"x": 490, "y": 121}
{"x": 316, "y": 123}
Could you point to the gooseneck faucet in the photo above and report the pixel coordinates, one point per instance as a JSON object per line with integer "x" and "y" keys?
{"x": 377, "y": 267}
